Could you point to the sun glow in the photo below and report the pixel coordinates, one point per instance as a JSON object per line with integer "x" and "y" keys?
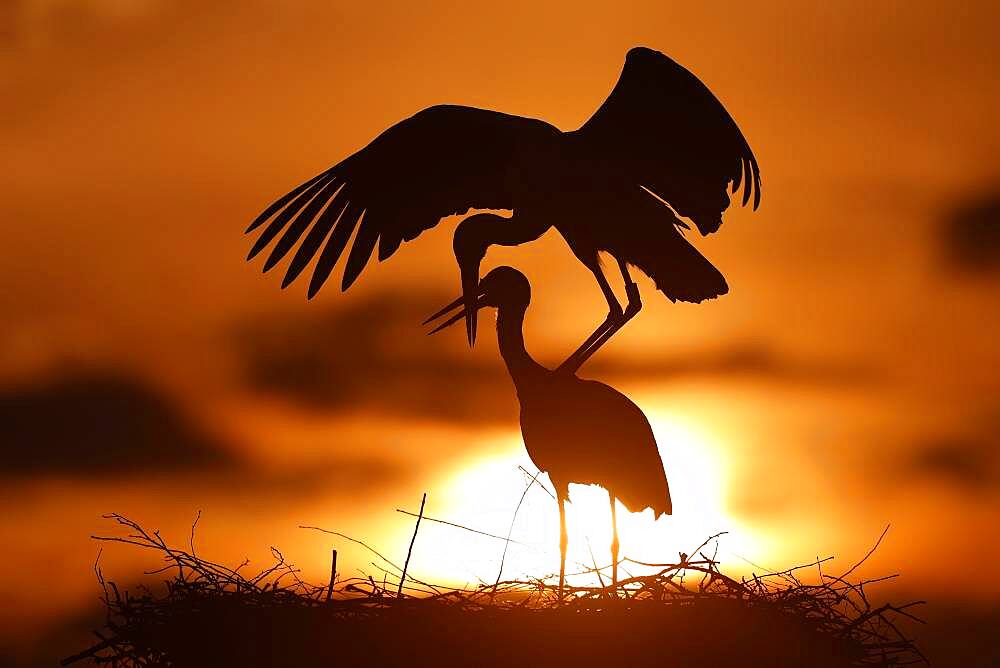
{"x": 484, "y": 493}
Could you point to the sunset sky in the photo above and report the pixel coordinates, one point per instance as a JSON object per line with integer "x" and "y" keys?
{"x": 848, "y": 381}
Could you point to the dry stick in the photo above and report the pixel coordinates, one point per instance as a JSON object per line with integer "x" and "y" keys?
{"x": 513, "y": 519}
{"x": 870, "y": 553}
{"x": 370, "y": 549}
{"x": 528, "y": 474}
{"x": 353, "y": 540}
{"x": 596, "y": 569}
{"x": 461, "y": 526}
{"x": 194, "y": 525}
{"x": 406, "y": 564}
{"x": 333, "y": 575}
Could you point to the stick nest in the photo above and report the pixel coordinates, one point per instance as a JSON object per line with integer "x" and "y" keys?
{"x": 684, "y": 613}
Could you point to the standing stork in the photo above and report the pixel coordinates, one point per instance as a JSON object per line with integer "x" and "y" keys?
{"x": 577, "y": 431}
{"x": 660, "y": 138}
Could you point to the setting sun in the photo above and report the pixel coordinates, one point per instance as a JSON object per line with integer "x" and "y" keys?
{"x": 483, "y": 493}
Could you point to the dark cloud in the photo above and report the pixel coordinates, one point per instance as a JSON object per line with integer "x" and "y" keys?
{"x": 373, "y": 355}
{"x": 345, "y": 476}
{"x": 971, "y": 464}
{"x": 100, "y": 422}
{"x": 971, "y": 233}
{"x": 751, "y": 360}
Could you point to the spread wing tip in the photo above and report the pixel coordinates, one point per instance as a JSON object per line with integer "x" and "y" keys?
{"x": 749, "y": 177}
{"x": 280, "y": 203}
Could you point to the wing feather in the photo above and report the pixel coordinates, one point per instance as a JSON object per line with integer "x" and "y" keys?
{"x": 279, "y": 203}
{"x": 334, "y": 247}
{"x": 387, "y": 246}
{"x": 740, "y": 172}
{"x": 361, "y": 251}
{"x": 662, "y": 126}
{"x": 302, "y": 221}
{"x": 286, "y": 215}
{"x": 314, "y": 240}
{"x": 442, "y": 161}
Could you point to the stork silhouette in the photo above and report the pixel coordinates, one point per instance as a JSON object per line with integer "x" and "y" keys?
{"x": 577, "y": 431}
{"x": 660, "y": 138}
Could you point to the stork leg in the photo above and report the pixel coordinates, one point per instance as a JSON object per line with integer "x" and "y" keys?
{"x": 563, "y": 543}
{"x": 614, "y": 543}
{"x": 616, "y": 317}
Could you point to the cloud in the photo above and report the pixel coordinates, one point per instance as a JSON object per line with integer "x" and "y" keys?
{"x": 100, "y": 422}
{"x": 344, "y": 476}
{"x": 971, "y": 233}
{"x": 97, "y": 424}
{"x": 749, "y": 359}
{"x": 373, "y": 355}
{"x": 971, "y": 464}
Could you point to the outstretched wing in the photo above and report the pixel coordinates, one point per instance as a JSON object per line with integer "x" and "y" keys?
{"x": 665, "y": 128}
{"x": 442, "y": 161}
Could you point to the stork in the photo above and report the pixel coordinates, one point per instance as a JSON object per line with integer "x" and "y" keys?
{"x": 577, "y": 431}
{"x": 659, "y": 148}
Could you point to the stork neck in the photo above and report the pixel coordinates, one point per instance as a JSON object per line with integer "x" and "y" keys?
{"x": 510, "y": 336}
{"x": 480, "y": 231}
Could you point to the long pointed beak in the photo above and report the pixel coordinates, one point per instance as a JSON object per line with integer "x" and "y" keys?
{"x": 470, "y": 292}
{"x": 478, "y": 302}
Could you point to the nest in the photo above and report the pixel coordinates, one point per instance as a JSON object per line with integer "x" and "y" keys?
{"x": 684, "y": 613}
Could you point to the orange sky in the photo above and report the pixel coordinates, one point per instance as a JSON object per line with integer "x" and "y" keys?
{"x": 846, "y": 382}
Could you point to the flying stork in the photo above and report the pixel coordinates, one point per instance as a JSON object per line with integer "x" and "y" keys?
{"x": 661, "y": 148}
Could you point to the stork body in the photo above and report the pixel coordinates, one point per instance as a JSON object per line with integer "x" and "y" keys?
{"x": 660, "y": 137}
{"x": 577, "y": 431}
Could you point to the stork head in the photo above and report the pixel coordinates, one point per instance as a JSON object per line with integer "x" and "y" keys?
{"x": 470, "y": 244}
{"x": 501, "y": 288}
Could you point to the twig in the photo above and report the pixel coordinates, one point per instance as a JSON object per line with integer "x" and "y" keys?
{"x": 194, "y": 525}
{"x": 333, "y": 574}
{"x": 870, "y": 553}
{"x": 503, "y": 557}
{"x": 534, "y": 476}
{"x": 406, "y": 564}
{"x": 461, "y": 526}
{"x": 353, "y": 540}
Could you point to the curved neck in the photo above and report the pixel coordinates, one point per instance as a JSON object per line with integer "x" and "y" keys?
{"x": 510, "y": 336}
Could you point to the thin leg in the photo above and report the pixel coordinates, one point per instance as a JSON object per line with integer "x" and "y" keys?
{"x": 609, "y": 327}
{"x": 631, "y": 309}
{"x": 614, "y": 543}
{"x": 615, "y": 315}
{"x": 563, "y": 543}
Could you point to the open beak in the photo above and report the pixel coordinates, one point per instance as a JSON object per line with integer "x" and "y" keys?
{"x": 463, "y": 307}
{"x": 470, "y": 294}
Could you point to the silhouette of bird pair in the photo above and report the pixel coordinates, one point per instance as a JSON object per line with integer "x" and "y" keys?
{"x": 660, "y": 137}
{"x": 577, "y": 431}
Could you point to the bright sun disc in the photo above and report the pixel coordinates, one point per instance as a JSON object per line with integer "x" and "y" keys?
{"x": 483, "y": 494}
